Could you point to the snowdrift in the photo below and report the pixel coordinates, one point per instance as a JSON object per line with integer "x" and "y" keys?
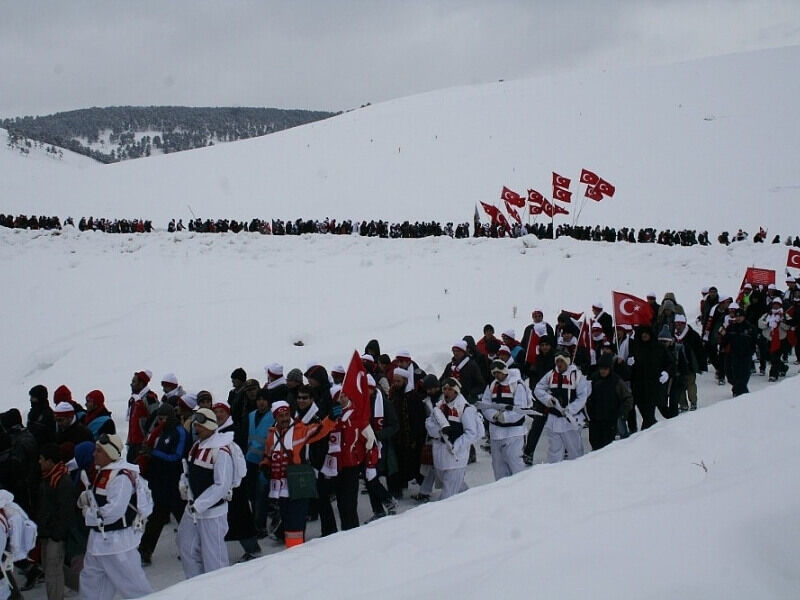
{"x": 697, "y": 144}
{"x": 704, "y": 506}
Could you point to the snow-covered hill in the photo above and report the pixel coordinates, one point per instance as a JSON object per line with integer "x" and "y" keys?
{"x": 32, "y": 166}
{"x": 709, "y": 144}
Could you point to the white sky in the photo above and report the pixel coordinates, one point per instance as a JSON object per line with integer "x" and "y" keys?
{"x": 336, "y": 54}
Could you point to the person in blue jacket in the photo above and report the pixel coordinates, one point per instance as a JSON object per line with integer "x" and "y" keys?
{"x": 259, "y": 421}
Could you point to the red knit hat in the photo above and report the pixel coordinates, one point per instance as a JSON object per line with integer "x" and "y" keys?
{"x": 62, "y": 394}
{"x": 143, "y": 376}
{"x": 97, "y": 397}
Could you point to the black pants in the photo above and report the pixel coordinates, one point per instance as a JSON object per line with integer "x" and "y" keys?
{"x": 327, "y": 521}
{"x": 346, "y": 485}
{"x": 156, "y": 522}
{"x": 377, "y": 495}
{"x": 601, "y": 433}
{"x": 647, "y": 408}
{"x": 535, "y": 433}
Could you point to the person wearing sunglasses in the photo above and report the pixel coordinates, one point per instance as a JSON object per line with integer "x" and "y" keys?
{"x": 207, "y": 488}
{"x": 111, "y": 564}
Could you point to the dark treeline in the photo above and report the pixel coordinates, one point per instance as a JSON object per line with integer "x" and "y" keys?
{"x": 179, "y": 128}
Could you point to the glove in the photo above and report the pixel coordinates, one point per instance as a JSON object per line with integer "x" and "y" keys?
{"x": 500, "y": 417}
{"x": 183, "y": 487}
{"x": 663, "y": 378}
{"x": 705, "y": 336}
{"x": 84, "y": 501}
{"x": 571, "y": 419}
{"x": 370, "y": 473}
{"x": 631, "y": 361}
{"x": 444, "y": 432}
{"x": 369, "y": 435}
{"x": 191, "y": 510}
{"x": 335, "y": 412}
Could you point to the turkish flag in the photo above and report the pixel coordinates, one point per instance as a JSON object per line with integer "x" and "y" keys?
{"x": 589, "y": 178}
{"x": 355, "y": 387}
{"x": 775, "y": 340}
{"x": 593, "y": 193}
{"x": 793, "y": 260}
{"x": 606, "y": 188}
{"x": 631, "y": 310}
{"x": 559, "y": 181}
{"x": 491, "y": 210}
{"x": 501, "y": 220}
{"x": 562, "y": 195}
{"x": 512, "y": 197}
{"x": 575, "y": 316}
{"x": 535, "y": 197}
{"x": 533, "y": 345}
{"x": 547, "y": 208}
{"x": 513, "y": 213}
{"x": 536, "y": 209}
{"x": 558, "y": 210}
{"x": 585, "y": 336}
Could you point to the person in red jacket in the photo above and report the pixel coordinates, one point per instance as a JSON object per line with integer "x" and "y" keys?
{"x": 347, "y": 451}
{"x": 142, "y": 406}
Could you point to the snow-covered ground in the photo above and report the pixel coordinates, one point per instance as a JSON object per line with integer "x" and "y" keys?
{"x": 640, "y": 518}
{"x": 697, "y": 144}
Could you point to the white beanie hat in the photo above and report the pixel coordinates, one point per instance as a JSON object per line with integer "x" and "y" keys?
{"x": 598, "y": 304}
{"x": 510, "y": 333}
{"x": 460, "y": 345}
{"x": 64, "y": 408}
{"x": 338, "y": 369}
{"x": 404, "y": 354}
{"x": 170, "y": 378}
{"x": 367, "y": 357}
{"x": 504, "y": 348}
{"x": 113, "y": 446}
{"x": 189, "y": 401}
{"x": 280, "y": 405}
{"x": 275, "y": 369}
{"x": 680, "y": 318}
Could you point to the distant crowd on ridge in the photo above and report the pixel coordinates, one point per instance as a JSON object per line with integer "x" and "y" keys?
{"x": 406, "y": 229}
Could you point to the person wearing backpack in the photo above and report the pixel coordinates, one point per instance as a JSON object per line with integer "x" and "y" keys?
{"x": 56, "y": 509}
{"x": 113, "y": 508}
{"x": 207, "y": 485}
{"x": 506, "y": 427}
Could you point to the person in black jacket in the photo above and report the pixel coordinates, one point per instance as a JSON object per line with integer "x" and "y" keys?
{"x": 609, "y": 401}
{"x": 385, "y": 425}
{"x": 56, "y": 511}
{"x": 650, "y": 366}
{"x": 164, "y": 469}
{"x": 70, "y": 431}
{"x": 466, "y": 372}
{"x": 691, "y": 345}
{"x": 679, "y": 369}
{"x": 41, "y": 422}
{"x": 740, "y": 338}
{"x": 19, "y": 467}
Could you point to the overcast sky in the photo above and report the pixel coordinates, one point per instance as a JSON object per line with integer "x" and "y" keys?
{"x": 336, "y": 54}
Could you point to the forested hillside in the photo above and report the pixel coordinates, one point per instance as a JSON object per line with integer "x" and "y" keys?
{"x": 123, "y": 132}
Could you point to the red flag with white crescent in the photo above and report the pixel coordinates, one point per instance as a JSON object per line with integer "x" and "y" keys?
{"x": 585, "y": 336}
{"x": 492, "y": 211}
{"x": 588, "y": 177}
{"x": 558, "y": 210}
{"x": 535, "y": 197}
{"x": 531, "y": 351}
{"x": 355, "y": 387}
{"x": 512, "y": 197}
{"x": 606, "y": 188}
{"x": 535, "y": 209}
{"x": 631, "y": 310}
{"x": 793, "y": 260}
{"x": 593, "y": 193}
{"x": 547, "y": 208}
{"x": 562, "y": 195}
{"x": 513, "y": 213}
{"x": 559, "y": 181}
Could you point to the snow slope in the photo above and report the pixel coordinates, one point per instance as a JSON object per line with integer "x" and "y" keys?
{"x": 637, "y": 519}
{"x": 696, "y": 144}
{"x": 704, "y": 506}
{"x": 35, "y": 170}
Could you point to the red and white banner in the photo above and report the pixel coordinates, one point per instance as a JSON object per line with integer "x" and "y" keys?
{"x": 355, "y": 387}
{"x": 562, "y": 195}
{"x": 559, "y": 181}
{"x": 512, "y": 197}
{"x": 631, "y": 310}
{"x": 553, "y": 209}
{"x": 589, "y": 178}
{"x": 793, "y": 260}
{"x": 535, "y": 200}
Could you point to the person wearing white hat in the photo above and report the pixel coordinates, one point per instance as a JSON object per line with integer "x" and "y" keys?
{"x": 111, "y": 564}
{"x": 602, "y": 317}
{"x": 172, "y": 389}
{"x": 564, "y": 390}
{"x": 690, "y": 343}
{"x": 142, "y": 406}
{"x": 206, "y": 486}
{"x": 775, "y": 330}
{"x": 506, "y": 427}
{"x": 464, "y": 369}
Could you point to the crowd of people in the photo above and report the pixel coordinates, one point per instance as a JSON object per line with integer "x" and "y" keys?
{"x": 273, "y": 455}
{"x": 406, "y": 229}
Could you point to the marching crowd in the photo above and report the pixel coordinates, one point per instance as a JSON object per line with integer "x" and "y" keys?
{"x": 273, "y": 455}
{"x": 406, "y": 229}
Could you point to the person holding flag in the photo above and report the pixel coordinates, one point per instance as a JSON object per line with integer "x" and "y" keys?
{"x": 776, "y": 330}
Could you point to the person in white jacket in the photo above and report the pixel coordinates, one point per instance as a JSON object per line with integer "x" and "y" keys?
{"x": 112, "y": 564}
{"x": 453, "y": 427}
{"x": 506, "y": 425}
{"x": 564, "y": 390}
{"x": 207, "y": 489}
